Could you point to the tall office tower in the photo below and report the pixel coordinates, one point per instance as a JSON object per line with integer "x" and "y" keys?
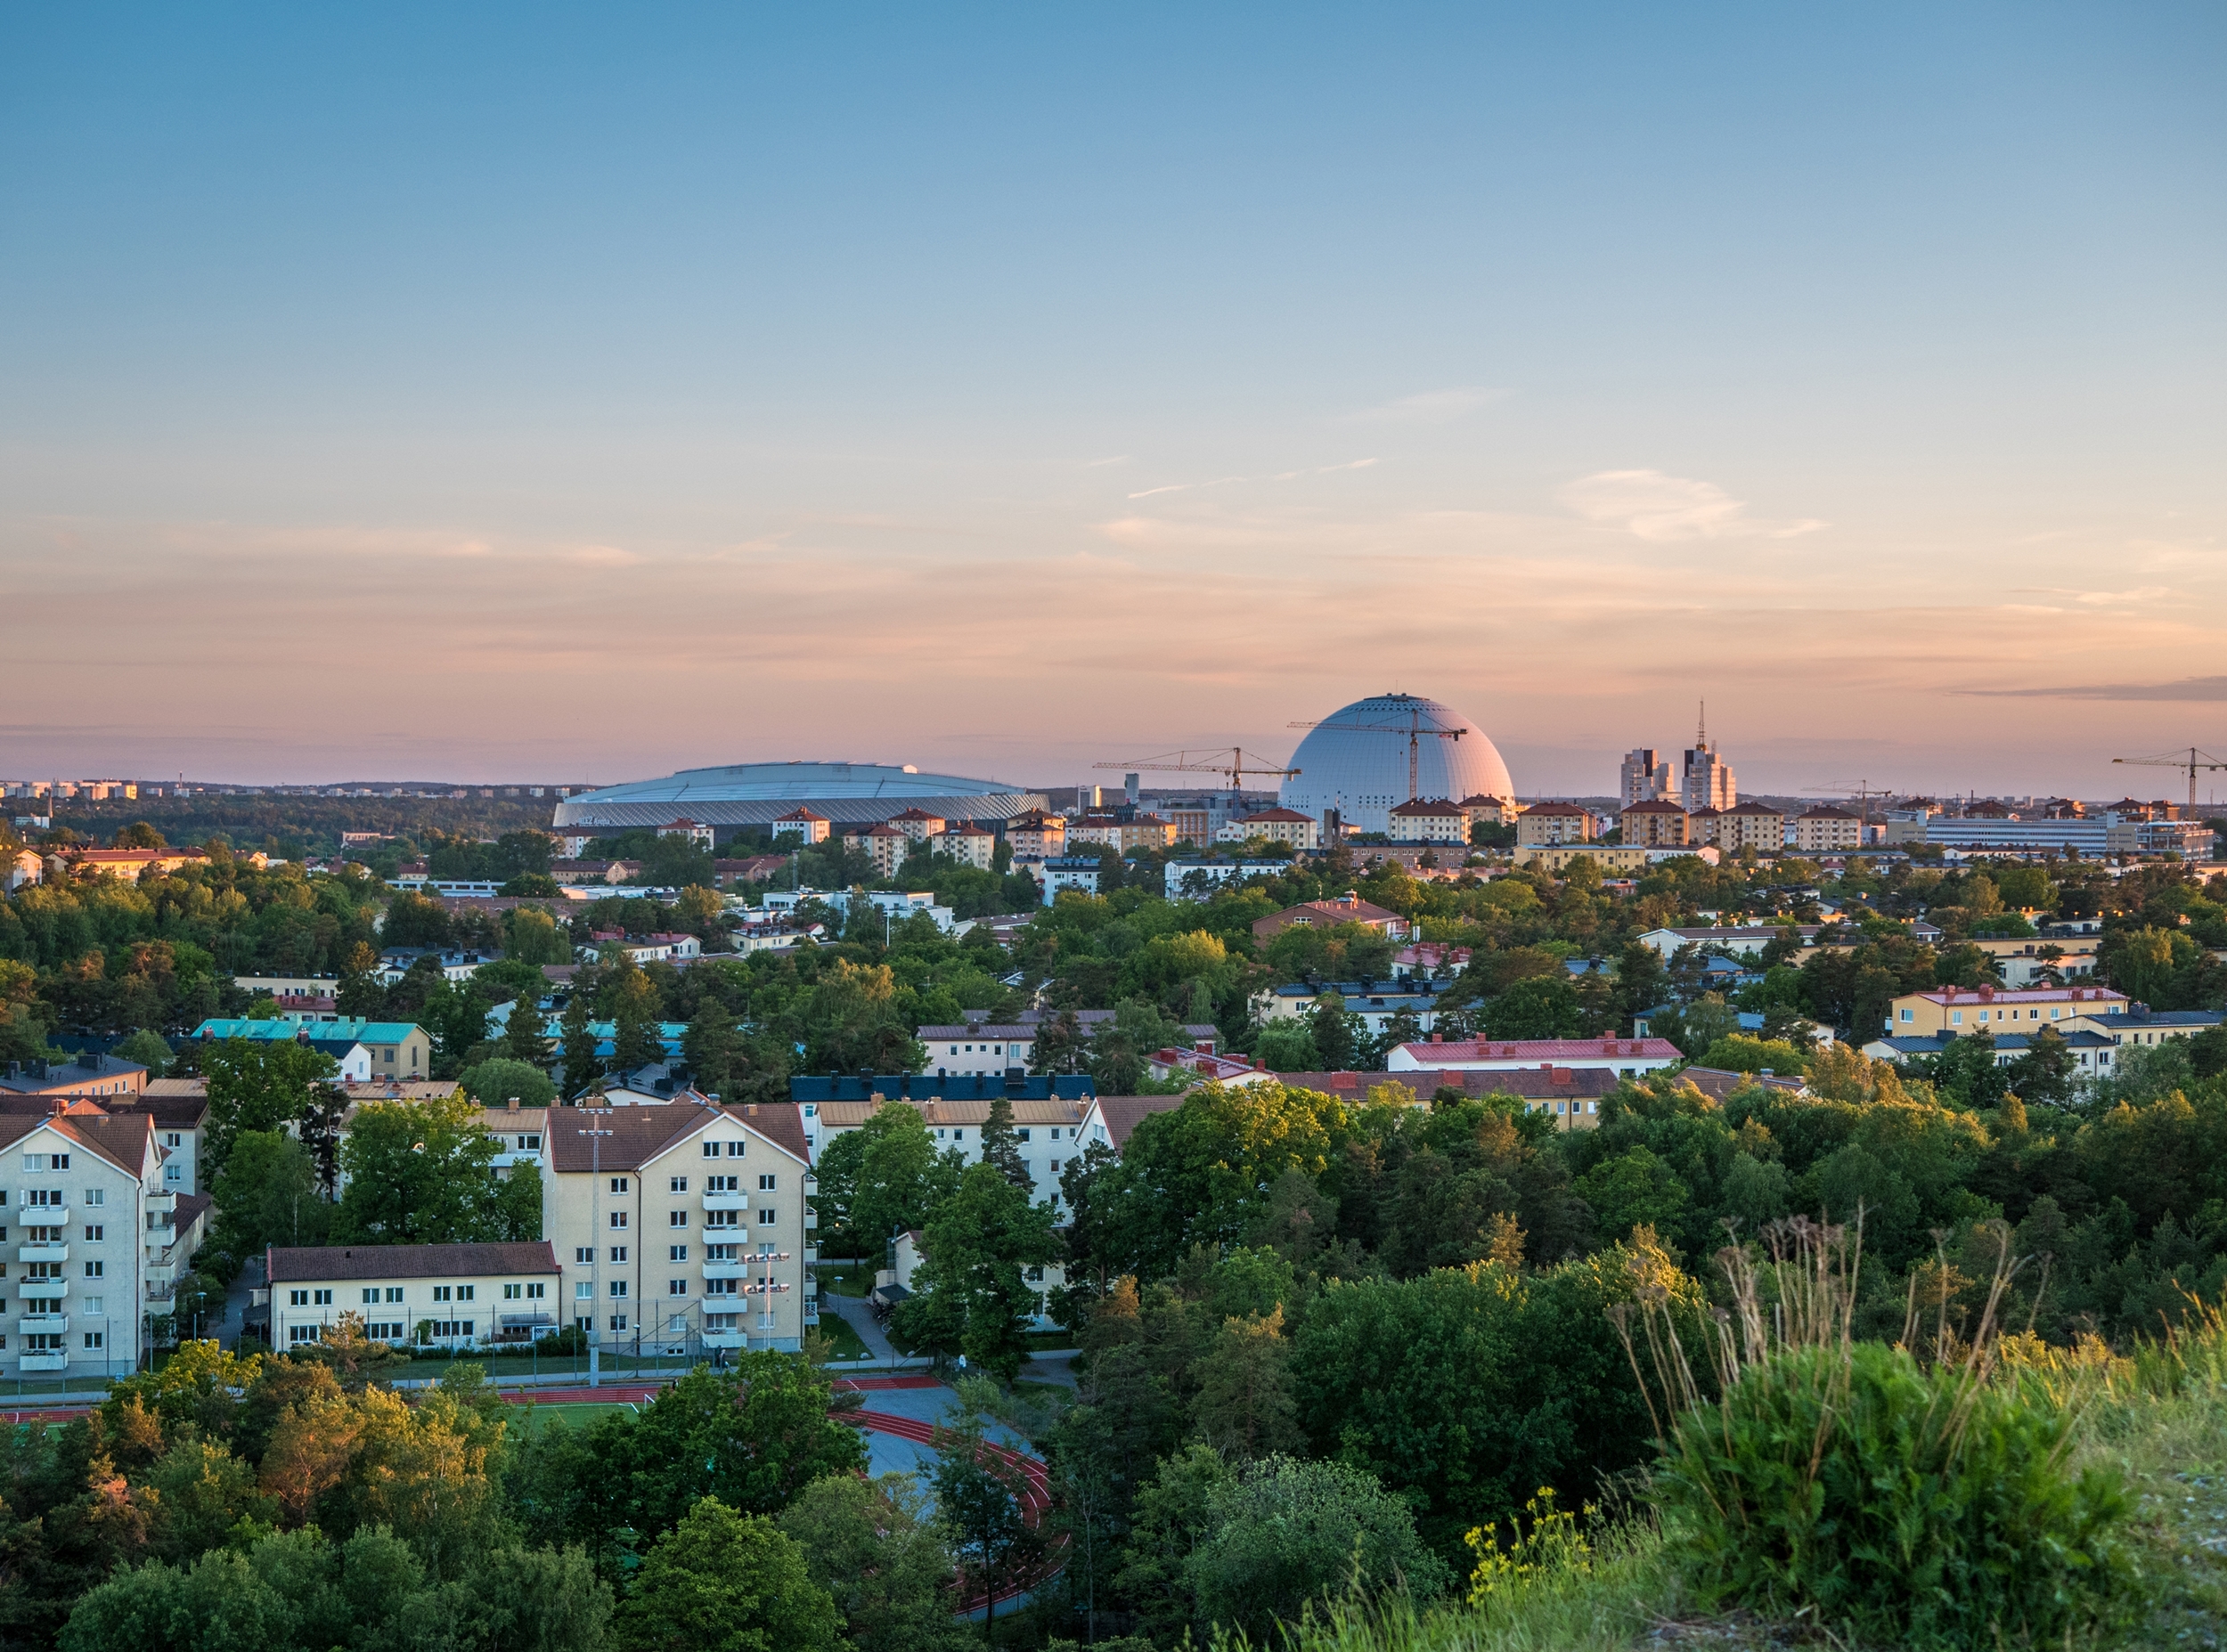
{"x": 1708, "y": 782}
{"x": 1646, "y": 779}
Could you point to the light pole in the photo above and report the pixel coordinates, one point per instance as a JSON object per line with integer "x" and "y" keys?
{"x": 595, "y": 1135}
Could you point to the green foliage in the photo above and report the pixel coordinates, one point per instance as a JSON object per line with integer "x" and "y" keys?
{"x": 971, "y": 1293}
{"x": 901, "y": 1176}
{"x": 1921, "y": 1507}
{"x": 723, "y": 1582}
{"x": 500, "y": 1079}
{"x": 1743, "y": 1053}
{"x": 875, "y": 1546}
{"x": 422, "y": 1173}
{"x": 150, "y": 1049}
{"x": 1542, "y": 1006}
{"x": 258, "y": 1085}
{"x": 267, "y": 1194}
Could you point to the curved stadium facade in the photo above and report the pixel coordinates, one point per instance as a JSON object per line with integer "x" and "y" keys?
{"x": 757, "y": 795}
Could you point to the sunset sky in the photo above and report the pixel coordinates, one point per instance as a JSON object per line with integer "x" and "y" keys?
{"x": 546, "y": 393}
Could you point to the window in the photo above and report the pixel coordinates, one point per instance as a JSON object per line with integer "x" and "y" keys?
{"x": 618, "y": 1219}
{"x": 619, "y": 1322}
{"x": 679, "y": 1185}
{"x": 536, "y": 1291}
{"x": 174, "y": 1173}
{"x": 734, "y": 1148}
{"x": 95, "y": 1196}
{"x": 394, "y": 1293}
{"x": 172, "y": 1140}
{"x": 93, "y": 1270}
{"x": 512, "y": 1293}
{"x": 720, "y": 1287}
{"x": 765, "y": 1219}
{"x": 676, "y": 1253}
{"x": 94, "y": 1306}
{"x": 452, "y": 1328}
{"x": 722, "y": 1183}
{"x": 301, "y": 1333}
{"x": 1910, "y": 1015}
{"x": 1024, "y": 1134}
{"x": 618, "y": 1253}
{"x": 583, "y": 1254}
{"x": 765, "y": 1185}
{"x": 441, "y": 1293}
{"x": 719, "y": 1253}
{"x": 386, "y": 1330}
{"x": 371, "y": 1294}
{"x": 94, "y": 1234}
{"x": 297, "y": 1299}
{"x": 676, "y": 1287}
{"x": 618, "y": 1184}
{"x": 618, "y": 1287}
{"x": 584, "y": 1290}
{"x": 43, "y": 1342}
{"x": 678, "y": 1219}
{"x": 530, "y": 1144}
{"x": 723, "y": 1218}
{"x": 465, "y": 1293}
{"x": 711, "y": 1149}
{"x": 41, "y": 1196}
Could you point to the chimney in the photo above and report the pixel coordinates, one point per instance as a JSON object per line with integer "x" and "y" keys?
{"x": 1438, "y": 1037}
{"x": 511, "y": 1105}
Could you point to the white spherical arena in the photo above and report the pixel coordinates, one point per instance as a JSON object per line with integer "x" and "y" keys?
{"x": 1355, "y": 761}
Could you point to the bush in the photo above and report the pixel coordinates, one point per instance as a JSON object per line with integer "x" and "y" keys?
{"x": 1926, "y": 1508}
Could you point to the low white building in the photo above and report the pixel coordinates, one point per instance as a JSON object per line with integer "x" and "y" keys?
{"x": 1059, "y": 872}
{"x": 1741, "y": 940}
{"x": 1195, "y": 880}
{"x": 1628, "y": 1058}
{"x": 424, "y": 1296}
{"x": 1274, "y": 825}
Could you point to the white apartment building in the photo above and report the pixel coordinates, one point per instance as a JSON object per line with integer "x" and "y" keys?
{"x": 1626, "y": 1057}
{"x": 1274, "y": 825}
{"x": 1427, "y": 820}
{"x": 429, "y": 1296}
{"x": 978, "y": 1047}
{"x": 682, "y": 1227}
{"x": 1823, "y": 830}
{"x": 91, "y": 1258}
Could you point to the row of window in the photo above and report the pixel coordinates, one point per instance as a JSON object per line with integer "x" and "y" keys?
{"x": 583, "y": 1255}
{"x": 678, "y": 1325}
{"x": 618, "y": 1289}
{"x": 55, "y": 1270}
{"x": 94, "y": 1234}
{"x": 621, "y": 1220}
{"x": 321, "y": 1296}
{"x": 712, "y": 1183}
{"x": 58, "y": 1342}
{"x": 92, "y": 1308}
{"x": 44, "y": 1198}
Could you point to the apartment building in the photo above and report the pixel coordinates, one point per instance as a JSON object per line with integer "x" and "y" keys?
{"x": 1656, "y": 824}
{"x": 1037, "y": 835}
{"x": 919, "y": 825}
{"x": 1825, "y": 830}
{"x": 93, "y": 1256}
{"x": 428, "y": 1296}
{"x": 884, "y": 846}
{"x": 1274, "y": 825}
{"x": 2001, "y": 1009}
{"x": 682, "y": 1227}
{"x": 805, "y": 825}
{"x": 1142, "y": 831}
{"x": 394, "y": 1049}
{"x": 1427, "y": 820}
{"x": 1543, "y": 823}
{"x": 1643, "y": 777}
{"x": 978, "y": 1047}
{"x": 1555, "y": 858}
{"x": 1744, "y": 826}
{"x": 93, "y": 1075}
{"x": 969, "y": 844}
{"x": 1745, "y": 940}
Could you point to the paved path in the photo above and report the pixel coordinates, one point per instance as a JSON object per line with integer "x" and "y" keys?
{"x": 227, "y": 1330}
{"x": 856, "y": 1313}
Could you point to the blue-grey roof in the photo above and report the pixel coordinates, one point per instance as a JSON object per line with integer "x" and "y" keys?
{"x": 759, "y": 794}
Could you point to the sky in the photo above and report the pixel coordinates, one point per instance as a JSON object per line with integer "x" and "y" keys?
{"x": 547, "y": 392}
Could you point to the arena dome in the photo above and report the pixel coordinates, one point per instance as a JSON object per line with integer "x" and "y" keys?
{"x": 1355, "y": 761}
{"x": 757, "y": 795}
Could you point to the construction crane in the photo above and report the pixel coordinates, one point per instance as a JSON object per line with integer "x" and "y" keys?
{"x": 2193, "y": 761}
{"x": 1235, "y": 762}
{"x": 1415, "y": 729}
{"x": 1863, "y": 791}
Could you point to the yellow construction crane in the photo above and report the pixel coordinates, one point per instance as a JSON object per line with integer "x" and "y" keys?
{"x": 1233, "y": 761}
{"x": 2193, "y": 761}
{"x": 1415, "y": 729}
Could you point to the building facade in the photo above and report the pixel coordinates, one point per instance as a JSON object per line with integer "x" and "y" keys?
{"x": 1427, "y": 820}
{"x": 1543, "y": 824}
{"x": 682, "y": 1227}
{"x": 805, "y": 826}
{"x": 1275, "y": 826}
{"x": 1628, "y": 1058}
{"x": 1643, "y": 777}
{"x": 1995, "y": 1009}
{"x": 423, "y": 1295}
{"x": 1657, "y": 825}
{"x": 1824, "y": 830}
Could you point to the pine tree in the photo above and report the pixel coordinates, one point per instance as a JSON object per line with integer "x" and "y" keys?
{"x": 1001, "y": 1147}
{"x": 582, "y": 1068}
{"x": 525, "y": 1036}
{"x": 635, "y": 1042}
{"x": 709, "y": 1044}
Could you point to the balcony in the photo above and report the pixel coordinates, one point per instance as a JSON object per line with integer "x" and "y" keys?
{"x": 811, "y": 1255}
{"x": 726, "y": 1270}
{"x": 31, "y": 1363}
{"x": 162, "y": 1294}
{"x": 43, "y": 1289}
{"x": 41, "y": 1253}
{"x": 28, "y": 1323}
{"x": 811, "y": 1216}
{"x": 719, "y": 1305}
{"x": 156, "y": 1272}
{"x": 45, "y": 1216}
{"x": 726, "y": 1201}
{"x": 726, "y": 1339}
{"x": 164, "y": 1204}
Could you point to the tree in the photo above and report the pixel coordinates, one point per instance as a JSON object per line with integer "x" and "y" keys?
{"x": 709, "y": 1046}
{"x": 255, "y": 1083}
{"x": 526, "y": 1034}
{"x": 983, "y": 1498}
{"x": 531, "y": 936}
{"x": 1282, "y": 1532}
{"x": 422, "y": 1173}
{"x": 1244, "y": 1407}
{"x": 902, "y": 1176}
{"x": 876, "y": 1547}
{"x": 1001, "y": 1144}
{"x": 1539, "y": 1007}
{"x": 1287, "y": 1046}
{"x": 971, "y": 1293}
{"x": 150, "y": 1049}
{"x": 634, "y": 1042}
{"x": 723, "y": 1582}
{"x": 500, "y": 1079}
{"x": 1632, "y": 1190}
{"x": 581, "y": 1066}
{"x": 268, "y": 1193}
{"x": 139, "y": 835}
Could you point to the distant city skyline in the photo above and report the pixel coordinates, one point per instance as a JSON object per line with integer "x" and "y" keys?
{"x": 524, "y": 391}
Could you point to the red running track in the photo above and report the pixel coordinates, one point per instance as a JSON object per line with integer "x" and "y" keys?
{"x": 1036, "y": 1495}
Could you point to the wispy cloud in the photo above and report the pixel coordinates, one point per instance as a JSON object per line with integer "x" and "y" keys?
{"x": 2099, "y": 598}
{"x": 2192, "y": 689}
{"x": 1274, "y": 475}
{"x": 1653, "y": 506}
{"x": 1118, "y": 459}
{"x": 1432, "y": 407}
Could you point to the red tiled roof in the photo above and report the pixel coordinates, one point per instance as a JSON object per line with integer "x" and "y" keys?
{"x": 1542, "y": 1050}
